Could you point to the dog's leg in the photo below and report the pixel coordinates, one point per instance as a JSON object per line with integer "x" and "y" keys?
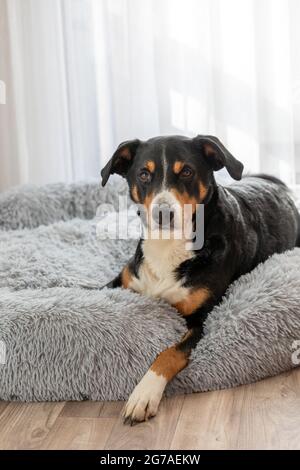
{"x": 145, "y": 399}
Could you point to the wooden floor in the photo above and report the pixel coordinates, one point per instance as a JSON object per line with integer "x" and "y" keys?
{"x": 265, "y": 415}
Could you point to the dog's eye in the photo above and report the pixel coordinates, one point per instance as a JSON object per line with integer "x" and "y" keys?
{"x": 186, "y": 172}
{"x": 145, "y": 176}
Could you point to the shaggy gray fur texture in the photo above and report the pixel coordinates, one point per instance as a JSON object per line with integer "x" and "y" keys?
{"x": 64, "y": 342}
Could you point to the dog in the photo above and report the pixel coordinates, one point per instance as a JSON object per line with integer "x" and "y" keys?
{"x": 244, "y": 224}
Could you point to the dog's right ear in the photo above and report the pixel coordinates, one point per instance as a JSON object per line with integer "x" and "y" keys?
{"x": 121, "y": 160}
{"x": 217, "y": 156}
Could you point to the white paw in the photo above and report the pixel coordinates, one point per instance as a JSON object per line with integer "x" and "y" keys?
{"x": 144, "y": 401}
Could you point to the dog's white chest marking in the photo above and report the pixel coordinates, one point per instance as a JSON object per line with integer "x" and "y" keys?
{"x": 157, "y": 271}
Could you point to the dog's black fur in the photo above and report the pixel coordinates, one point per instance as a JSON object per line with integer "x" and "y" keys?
{"x": 245, "y": 222}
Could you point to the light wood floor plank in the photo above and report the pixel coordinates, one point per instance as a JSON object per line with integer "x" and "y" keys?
{"x": 156, "y": 433}
{"x": 26, "y": 425}
{"x": 3, "y": 405}
{"x": 265, "y": 415}
{"x": 111, "y": 409}
{"x": 270, "y": 414}
{"x": 84, "y": 409}
{"x": 79, "y": 434}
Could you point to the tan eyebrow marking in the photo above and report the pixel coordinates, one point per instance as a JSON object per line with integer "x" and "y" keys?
{"x": 177, "y": 167}
{"x": 150, "y": 165}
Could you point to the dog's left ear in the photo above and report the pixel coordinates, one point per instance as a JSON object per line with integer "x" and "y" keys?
{"x": 217, "y": 156}
{"x": 121, "y": 160}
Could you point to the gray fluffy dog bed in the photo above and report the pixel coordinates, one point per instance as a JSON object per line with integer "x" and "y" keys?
{"x": 66, "y": 342}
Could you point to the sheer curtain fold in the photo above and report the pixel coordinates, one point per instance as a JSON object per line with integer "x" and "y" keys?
{"x": 51, "y": 92}
{"x": 84, "y": 75}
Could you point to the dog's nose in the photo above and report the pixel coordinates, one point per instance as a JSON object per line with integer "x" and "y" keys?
{"x": 163, "y": 215}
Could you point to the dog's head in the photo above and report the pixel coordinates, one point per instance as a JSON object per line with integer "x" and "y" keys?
{"x": 171, "y": 172}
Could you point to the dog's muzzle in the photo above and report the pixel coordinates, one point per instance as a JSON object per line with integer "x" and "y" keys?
{"x": 163, "y": 215}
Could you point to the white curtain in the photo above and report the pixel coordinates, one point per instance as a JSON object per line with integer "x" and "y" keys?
{"x": 83, "y": 75}
{"x": 49, "y": 124}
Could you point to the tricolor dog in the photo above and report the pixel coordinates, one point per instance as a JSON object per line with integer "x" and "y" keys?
{"x": 244, "y": 223}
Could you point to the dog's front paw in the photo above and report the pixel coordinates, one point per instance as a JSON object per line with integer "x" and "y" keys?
{"x": 144, "y": 401}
